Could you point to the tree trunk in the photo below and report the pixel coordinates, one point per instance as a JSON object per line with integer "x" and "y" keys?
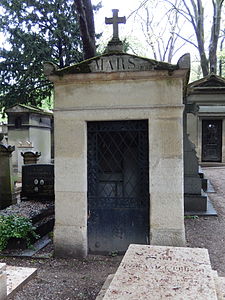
{"x": 220, "y": 61}
{"x": 215, "y": 31}
{"x": 87, "y": 28}
{"x": 197, "y": 21}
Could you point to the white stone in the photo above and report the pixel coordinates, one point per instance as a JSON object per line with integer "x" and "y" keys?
{"x": 153, "y": 95}
{"x": 208, "y": 94}
{"x": 17, "y": 277}
{"x": 156, "y": 272}
{"x": 34, "y": 134}
{"x": 3, "y": 285}
{"x": 220, "y": 287}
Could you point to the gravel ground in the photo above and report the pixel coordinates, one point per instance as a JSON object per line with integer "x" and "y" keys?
{"x": 209, "y": 232}
{"x": 65, "y": 279}
{"x": 28, "y": 209}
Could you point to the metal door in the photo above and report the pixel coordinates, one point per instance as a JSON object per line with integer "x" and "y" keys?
{"x": 212, "y": 140}
{"x": 118, "y": 185}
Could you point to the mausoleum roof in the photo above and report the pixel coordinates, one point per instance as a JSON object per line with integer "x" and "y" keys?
{"x": 116, "y": 62}
{"x": 28, "y": 108}
{"x": 208, "y": 84}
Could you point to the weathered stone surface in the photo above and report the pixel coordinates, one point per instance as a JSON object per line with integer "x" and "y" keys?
{"x": 17, "y": 277}
{"x": 115, "y": 21}
{"x": 116, "y": 63}
{"x": 30, "y": 157}
{"x": 3, "y": 289}
{"x": 118, "y": 87}
{"x": 113, "y": 62}
{"x": 208, "y": 94}
{"x": 29, "y": 129}
{"x": 152, "y": 272}
{"x": 220, "y": 287}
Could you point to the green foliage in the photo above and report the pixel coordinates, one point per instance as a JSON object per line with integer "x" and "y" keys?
{"x": 36, "y": 31}
{"x": 113, "y": 253}
{"x": 16, "y": 227}
{"x": 191, "y": 217}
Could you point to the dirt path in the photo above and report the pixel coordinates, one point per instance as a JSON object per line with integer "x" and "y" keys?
{"x": 67, "y": 279}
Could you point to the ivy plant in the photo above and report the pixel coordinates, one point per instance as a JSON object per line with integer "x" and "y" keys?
{"x": 15, "y": 226}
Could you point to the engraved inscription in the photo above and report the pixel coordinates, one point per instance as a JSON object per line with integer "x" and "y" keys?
{"x": 164, "y": 268}
{"x": 117, "y": 63}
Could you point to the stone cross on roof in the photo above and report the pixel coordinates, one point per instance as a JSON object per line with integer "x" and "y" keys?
{"x": 115, "y": 20}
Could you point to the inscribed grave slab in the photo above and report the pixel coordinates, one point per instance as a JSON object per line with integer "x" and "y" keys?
{"x": 157, "y": 272}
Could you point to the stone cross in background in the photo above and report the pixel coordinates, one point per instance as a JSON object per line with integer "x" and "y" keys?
{"x": 115, "y": 20}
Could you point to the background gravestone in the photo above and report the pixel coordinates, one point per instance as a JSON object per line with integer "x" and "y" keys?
{"x": 38, "y": 182}
{"x": 195, "y": 200}
{"x": 6, "y": 180}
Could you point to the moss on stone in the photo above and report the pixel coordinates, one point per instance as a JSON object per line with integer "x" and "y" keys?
{"x": 83, "y": 67}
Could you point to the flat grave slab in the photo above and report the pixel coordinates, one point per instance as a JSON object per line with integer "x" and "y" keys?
{"x": 17, "y": 277}
{"x": 160, "y": 272}
{"x": 105, "y": 286}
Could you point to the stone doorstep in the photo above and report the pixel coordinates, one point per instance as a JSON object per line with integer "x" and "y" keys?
{"x": 105, "y": 287}
{"x": 17, "y": 277}
{"x": 151, "y": 272}
{"x": 220, "y": 287}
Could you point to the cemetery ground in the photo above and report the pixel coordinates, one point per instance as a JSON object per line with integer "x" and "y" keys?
{"x": 83, "y": 278}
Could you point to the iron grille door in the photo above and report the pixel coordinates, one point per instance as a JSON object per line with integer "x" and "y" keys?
{"x": 212, "y": 140}
{"x": 118, "y": 185}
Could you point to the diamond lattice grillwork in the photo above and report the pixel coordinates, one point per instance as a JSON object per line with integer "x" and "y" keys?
{"x": 118, "y": 164}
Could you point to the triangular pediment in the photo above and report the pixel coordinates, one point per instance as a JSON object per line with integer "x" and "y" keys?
{"x": 18, "y": 108}
{"x": 210, "y": 81}
{"x": 111, "y": 62}
{"x": 22, "y": 108}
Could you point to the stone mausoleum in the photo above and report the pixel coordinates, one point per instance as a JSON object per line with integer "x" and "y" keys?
{"x": 206, "y": 127}
{"x": 29, "y": 129}
{"x": 118, "y": 152}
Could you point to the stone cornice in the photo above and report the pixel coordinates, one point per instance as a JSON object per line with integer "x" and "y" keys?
{"x": 118, "y": 76}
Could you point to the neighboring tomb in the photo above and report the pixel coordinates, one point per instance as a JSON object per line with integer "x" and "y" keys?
{"x": 195, "y": 199}
{"x": 118, "y": 153}
{"x": 6, "y": 179}
{"x": 29, "y": 129}
{"x": 207, "y": 127}
{"x": 154, "y": 272}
